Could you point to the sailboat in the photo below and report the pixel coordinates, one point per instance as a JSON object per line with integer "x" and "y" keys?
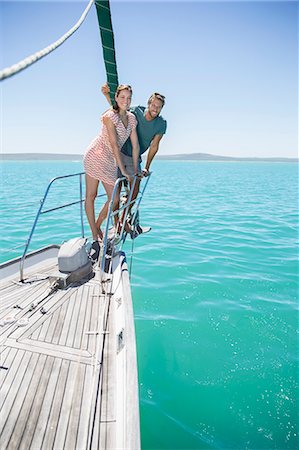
{"x": 68, "y": 350}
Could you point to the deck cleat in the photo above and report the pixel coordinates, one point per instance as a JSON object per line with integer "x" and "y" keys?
{"x": 94, "y": 251}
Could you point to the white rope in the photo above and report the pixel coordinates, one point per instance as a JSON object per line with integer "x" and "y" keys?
{"x": 16, "y": 68}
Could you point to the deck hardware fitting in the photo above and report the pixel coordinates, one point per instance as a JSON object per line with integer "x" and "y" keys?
{"x": 33, "y": 306}
{"x": 120, "y": 340}
{"x": 107, "y": 280}
{"x": 118, "y": 301}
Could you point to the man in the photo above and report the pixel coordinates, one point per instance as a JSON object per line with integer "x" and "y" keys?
{"x": 150, "y": 129}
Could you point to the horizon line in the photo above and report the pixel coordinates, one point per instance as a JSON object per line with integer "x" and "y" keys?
{"x": 158, "y": 156}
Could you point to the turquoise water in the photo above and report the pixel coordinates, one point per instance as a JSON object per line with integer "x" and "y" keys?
{"x": 215, "y": 290}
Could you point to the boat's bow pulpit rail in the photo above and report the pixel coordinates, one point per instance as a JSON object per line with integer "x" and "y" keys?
{"x": 68, "y": 371}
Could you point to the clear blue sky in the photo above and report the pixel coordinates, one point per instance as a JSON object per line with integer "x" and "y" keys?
{"x": 229, "y": 71}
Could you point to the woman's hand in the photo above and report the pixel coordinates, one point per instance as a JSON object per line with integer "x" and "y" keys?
{"x": 105, "y": 89}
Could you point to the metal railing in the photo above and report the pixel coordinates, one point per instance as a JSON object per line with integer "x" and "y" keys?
{"x": 131, "y": 206}
{"x": 40, "y": 212}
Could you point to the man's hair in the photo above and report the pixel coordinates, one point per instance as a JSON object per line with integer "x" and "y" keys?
{"x": 158, "y": 97}
{"x": 120, "y": 88}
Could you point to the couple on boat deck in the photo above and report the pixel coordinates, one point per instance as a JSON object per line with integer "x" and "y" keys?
{"x": 126, "y": 134}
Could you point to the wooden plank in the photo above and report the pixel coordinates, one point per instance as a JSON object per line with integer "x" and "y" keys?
{"x": 52, "y": 350}
{"x": 94, "y": 420}
{"x": 87, "y": 300}
{"x": 60, "y": 322}
{"x": 107, "y": 436}
{"x": 45, "y": 398}
{"x": 108, "y": 426}
{"x": 73, "y": 426}
{"x": 85, "y": 412}
{"x": 21, "y": 422}
{"x": 7, "y": 357}
{"x": 42, "y": 329}
{"x": 70, "y": 412}
{"x": 55, "y": 412}
{"x": 109, "y": 370}
{"x": 54, "y": 319}
{"x": 32, "y": 295}
{"x": 57, "y": 322}
{"x": 75, "y": 297}
{"x": 11, "y": 407}
{"x": 74, "y": 320}
{"x": 10, "y": 299}
{"x": 14, "y": 374}
{"x": 51, "y": 304}
{"x": 21, "y": 295}
{"x": 68, "y": 318}
{"x": 95, "y": 410}
{"x": 38, "y": 402}
{"x": 35, "y": 335}
{"x": 95, "y": 327}
{"x": 66, "y": 405}
{"x": 81, "y": 319}
{"x": 94, "y": 324}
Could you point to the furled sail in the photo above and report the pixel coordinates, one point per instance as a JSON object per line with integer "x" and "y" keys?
{"x": 107, "y": 36}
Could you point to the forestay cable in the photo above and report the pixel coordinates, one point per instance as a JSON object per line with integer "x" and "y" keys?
{"x": 18, "y": 67}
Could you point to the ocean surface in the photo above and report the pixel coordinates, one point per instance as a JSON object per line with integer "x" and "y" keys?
{"x": 215, "y": 292}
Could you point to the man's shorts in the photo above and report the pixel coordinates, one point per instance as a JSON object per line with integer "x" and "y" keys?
{"x": 129, "y": 166}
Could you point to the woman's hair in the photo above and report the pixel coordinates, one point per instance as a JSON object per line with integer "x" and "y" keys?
{"x": 158, "y": 97}
{"x": 120, "y": 88}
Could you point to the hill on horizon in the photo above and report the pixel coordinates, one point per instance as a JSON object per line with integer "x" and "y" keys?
{"x": 176, "y": 157}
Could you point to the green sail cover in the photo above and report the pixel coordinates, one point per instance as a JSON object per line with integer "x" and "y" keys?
{"x": 105, "y": 24}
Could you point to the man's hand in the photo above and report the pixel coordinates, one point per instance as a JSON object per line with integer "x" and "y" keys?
{"x": 145, "y": 172}
{"x": 138, "y": 174}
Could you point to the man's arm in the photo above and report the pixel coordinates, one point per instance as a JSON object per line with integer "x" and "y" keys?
{"x": 135, "y": 149}
{"x": 154, "y": 147}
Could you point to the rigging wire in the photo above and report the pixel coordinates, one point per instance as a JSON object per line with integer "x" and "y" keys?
{"x": 21, "y": 65}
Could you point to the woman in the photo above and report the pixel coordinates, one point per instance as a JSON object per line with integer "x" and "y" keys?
{"x": 102, "y": 157}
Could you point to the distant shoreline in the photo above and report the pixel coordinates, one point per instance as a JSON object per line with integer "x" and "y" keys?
{"x": 178, "y": 157}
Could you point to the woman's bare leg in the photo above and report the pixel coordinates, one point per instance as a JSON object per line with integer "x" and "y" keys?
{"x": 102, "y": 216}
{"x": 90, "y": 196}
{"x": 104, "y": 211}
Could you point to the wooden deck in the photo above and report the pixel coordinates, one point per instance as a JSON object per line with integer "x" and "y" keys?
{"x": 68, "y": 378}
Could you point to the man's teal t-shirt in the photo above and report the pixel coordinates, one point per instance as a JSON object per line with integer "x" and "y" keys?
{"x": 146, "y": 130}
